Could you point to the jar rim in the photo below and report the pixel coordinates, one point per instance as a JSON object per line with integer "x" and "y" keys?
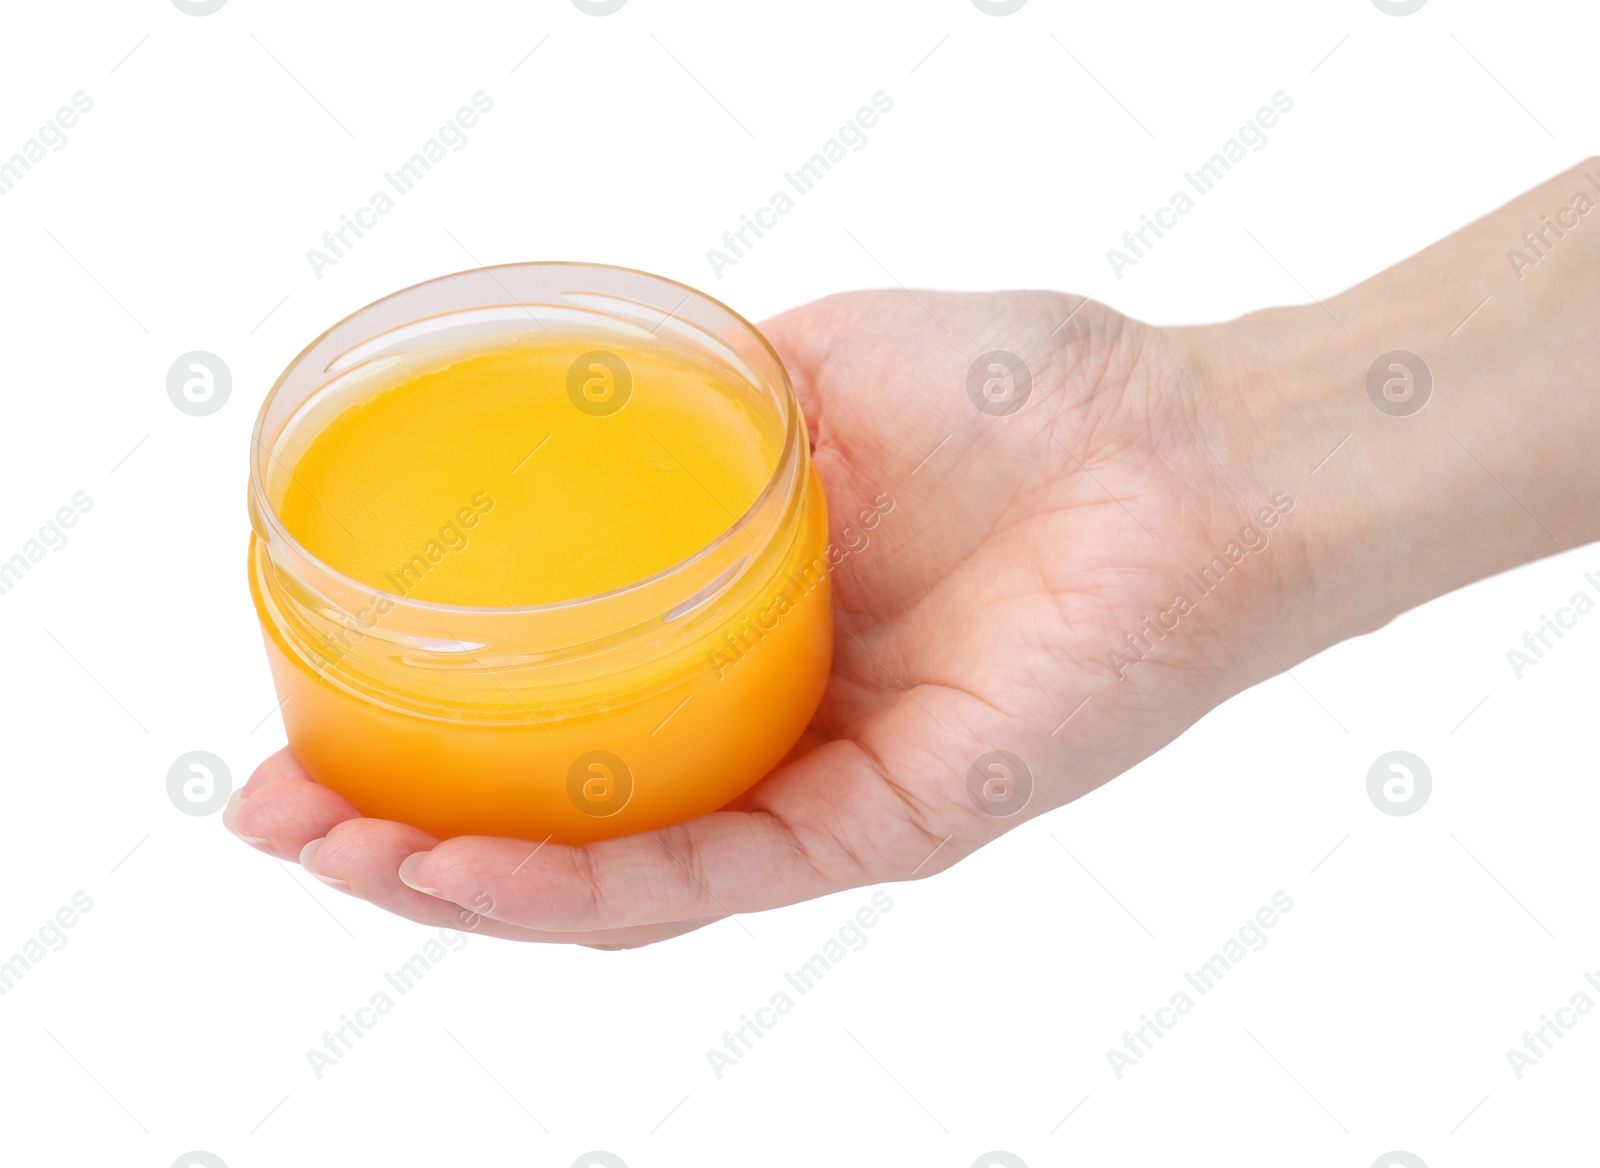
{"x": 793, "y": 445}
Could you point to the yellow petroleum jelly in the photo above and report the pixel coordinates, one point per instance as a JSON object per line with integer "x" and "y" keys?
{"x": 480, "y": 499}
{"x": 562, "y": 503}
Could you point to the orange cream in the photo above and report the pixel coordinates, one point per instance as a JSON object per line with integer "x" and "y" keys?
{"x": 554, "y": 568}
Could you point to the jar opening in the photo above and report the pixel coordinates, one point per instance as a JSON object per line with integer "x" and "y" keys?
{"x": 493, "y": 661}
{"x": 380, "y": 341}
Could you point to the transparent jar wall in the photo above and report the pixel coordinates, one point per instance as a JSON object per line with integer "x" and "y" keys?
{"x": 577, "y": 721}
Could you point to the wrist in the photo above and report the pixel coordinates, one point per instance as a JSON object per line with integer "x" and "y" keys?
{"x": 1434, "y": 425}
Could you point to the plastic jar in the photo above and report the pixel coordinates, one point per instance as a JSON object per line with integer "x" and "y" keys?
{"x": 574, "y": 721}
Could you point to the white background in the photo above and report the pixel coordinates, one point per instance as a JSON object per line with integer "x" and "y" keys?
{"x": 977, "y": 1017}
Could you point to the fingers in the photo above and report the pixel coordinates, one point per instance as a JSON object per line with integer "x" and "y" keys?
{"x": 275, "y": 766}
{"x": 795, "y": 336}
{"x": 282, "y": 808}
{"x": 728, "y": 862}
{"x": 828, "y": 821}
{"x": 363, "y": 857}
{"x": 284, "y": 812}
{"x": 622, "y": 883}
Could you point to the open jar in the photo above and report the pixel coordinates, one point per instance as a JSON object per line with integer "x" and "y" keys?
{"x": 576, "y": 720}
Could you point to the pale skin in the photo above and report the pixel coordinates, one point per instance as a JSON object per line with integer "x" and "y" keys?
{"x": 1024, "y": 548}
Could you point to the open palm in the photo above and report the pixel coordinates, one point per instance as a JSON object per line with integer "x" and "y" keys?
{"x": 1028, "y": 525}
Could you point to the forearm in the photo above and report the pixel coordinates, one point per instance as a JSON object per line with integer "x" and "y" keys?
{"x": 1502, "y": 463}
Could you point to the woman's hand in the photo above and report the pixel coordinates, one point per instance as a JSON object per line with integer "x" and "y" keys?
{"x": 1035, "y": 518}
{"x": 1079, "y": 562}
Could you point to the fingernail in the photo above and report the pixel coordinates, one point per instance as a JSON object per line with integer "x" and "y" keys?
{"x": 408, "y": 873}
{"x": 308, "y": 861}
{"x": 230, "y": 818}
